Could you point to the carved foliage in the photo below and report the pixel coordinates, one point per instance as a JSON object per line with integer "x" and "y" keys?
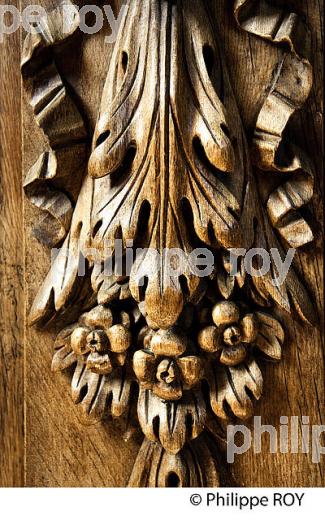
{"x": 155, "y": 167}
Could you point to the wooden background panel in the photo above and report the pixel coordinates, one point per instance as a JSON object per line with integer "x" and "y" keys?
{"x": 11, "y": 266}
{"x": 60, "y": 451}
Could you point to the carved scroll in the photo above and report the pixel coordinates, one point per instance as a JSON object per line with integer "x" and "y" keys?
{"x": 170, "y": 170}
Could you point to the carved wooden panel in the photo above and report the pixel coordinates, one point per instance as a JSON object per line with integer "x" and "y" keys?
{"x": 189, "y": 134}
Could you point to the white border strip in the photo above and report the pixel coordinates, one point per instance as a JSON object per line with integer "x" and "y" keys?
{"x": 159, "y": 504}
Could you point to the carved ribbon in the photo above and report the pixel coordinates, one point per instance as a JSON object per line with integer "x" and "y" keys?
{"x": 61, "y": 122}
{"x": 288, "y": 93}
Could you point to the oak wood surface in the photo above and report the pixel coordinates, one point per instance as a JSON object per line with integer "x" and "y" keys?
{"x": 59, "y": 450}
{"x": 11, "y": 267}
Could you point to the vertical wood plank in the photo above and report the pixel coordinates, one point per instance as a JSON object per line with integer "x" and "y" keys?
{"x": 11, "y": 266}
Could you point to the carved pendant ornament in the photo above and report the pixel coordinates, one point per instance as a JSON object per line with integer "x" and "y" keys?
{"x": 170, "y": 169}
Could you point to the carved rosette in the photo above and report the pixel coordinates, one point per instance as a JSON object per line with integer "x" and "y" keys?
{"x": 170, "y": 169}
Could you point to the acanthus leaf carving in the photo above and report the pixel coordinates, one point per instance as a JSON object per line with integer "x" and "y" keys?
{"x": 174, "y": 163}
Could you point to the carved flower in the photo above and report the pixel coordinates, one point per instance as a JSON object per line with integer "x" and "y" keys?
{"x": 230, "y": 335}
{"x": 103, "y": 344}
{"x": 163, "y": 368}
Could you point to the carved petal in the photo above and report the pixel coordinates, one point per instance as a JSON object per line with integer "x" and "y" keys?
{"x": 98, "y": 395}
{"x": 233, "y": 356}
{"x": 169, "y": 343}
{"x": 79, "y": 343}
{"x": 228, "y": 386}
{"x": 248, "y": 327}
{"x": 99, "y": 317}
{"x": 209, "y": 339}
{"x": 168, "y": 392}
{"x": 99, "y": 363}
{"x": 171, "y": 423}
{"x": 120, "y": 338}
{"x": 191, "y": 369}
{"x": 145, "y": 367}
{"x": 225, "y": 313}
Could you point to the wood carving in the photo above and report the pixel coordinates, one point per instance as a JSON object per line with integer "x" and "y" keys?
{"x": 170, "y": 170}
{"x": 63, "y": 125}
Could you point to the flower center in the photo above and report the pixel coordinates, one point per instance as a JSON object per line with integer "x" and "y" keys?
{"x": 232, "y": 336}
{"x": 166, "y": 372}
{"x": 97, "y": 341}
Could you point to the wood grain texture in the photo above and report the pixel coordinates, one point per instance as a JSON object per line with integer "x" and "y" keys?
{"x": 11, "y": 267}
{"x": 61, "y": 451}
